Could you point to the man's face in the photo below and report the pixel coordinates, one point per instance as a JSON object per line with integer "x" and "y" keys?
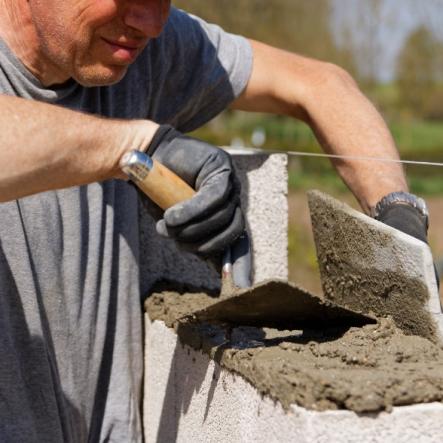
{"x": 94, "y": 41}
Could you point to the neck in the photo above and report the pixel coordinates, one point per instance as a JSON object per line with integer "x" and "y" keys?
{"x": 18, "y": 31}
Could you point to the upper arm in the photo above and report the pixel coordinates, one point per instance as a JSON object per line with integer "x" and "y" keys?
{"x": 281, "y": 82}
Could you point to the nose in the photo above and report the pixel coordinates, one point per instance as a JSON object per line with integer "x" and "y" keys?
{"x": 147, "y": 16}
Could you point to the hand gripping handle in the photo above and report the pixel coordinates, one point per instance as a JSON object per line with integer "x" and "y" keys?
{"x": 166, "y": 189}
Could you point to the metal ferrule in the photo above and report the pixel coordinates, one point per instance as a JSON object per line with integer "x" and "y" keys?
{"x": 136, "y": 165}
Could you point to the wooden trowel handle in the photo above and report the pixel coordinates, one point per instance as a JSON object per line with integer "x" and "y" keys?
{"x": 159, "y": 183}
{"x": 164, "y": 187}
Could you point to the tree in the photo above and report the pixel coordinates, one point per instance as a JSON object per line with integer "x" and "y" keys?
{"x": 419, "y": 71}
{"x": 297, "y": 25}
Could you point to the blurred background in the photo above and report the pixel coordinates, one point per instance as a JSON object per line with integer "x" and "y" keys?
{"x": 393, "y": 48}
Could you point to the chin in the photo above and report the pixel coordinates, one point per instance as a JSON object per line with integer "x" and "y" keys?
{"x": 100, "y": 76}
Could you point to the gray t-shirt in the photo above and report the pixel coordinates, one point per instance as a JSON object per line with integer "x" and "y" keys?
{"x": 70, "y": 305}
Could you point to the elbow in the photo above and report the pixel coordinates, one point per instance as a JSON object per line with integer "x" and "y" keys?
{"x": 327, "y": 87}
{"x": 317, "y": 84}
{"x": 329, "y": 81}
{"x": 337, "y": 74}
{"x": 331, "y": 76}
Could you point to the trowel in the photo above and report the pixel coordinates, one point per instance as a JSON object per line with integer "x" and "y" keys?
{"x": 273, "y": 303}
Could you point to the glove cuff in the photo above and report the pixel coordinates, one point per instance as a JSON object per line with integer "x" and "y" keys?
{"x": 401, "y": 198}
{"x": 164, "y": 133}
{"x": 406, "y": 219}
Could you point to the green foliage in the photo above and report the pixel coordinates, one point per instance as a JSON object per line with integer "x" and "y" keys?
{"x": 419, "y": 74}
{"x": 310, "y": 28}
{"x": 425, "y": 185}
{"x": 305, "y": 27}
{"x": 295, "y": 25}
{"x": 417, "y": 140}
{"x": 282, "y": 133}
{"x": 330, "y": 182}
{"x": 301, "y": 249}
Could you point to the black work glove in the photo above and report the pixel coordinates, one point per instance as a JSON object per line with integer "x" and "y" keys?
{"x": 409, "y": 220}
{"x": 212, "y": 220}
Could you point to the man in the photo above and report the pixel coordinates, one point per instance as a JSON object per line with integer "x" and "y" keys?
{"x": 83, "y": 82}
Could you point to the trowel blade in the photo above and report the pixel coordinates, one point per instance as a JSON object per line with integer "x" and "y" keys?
{"x": 282, "y": 305}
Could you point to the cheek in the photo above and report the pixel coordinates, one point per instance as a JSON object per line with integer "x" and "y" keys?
{"x": 62, "y": 22}
{"x": 95, "y": 13}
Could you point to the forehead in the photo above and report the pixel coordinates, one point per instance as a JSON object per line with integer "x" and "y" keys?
{"x": 54, "y": 7}
{"x": 94, "y": 7}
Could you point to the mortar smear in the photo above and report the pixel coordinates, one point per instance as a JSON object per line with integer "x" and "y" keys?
{"x": 362, "y": 267}
{"x": 366, "y": 369}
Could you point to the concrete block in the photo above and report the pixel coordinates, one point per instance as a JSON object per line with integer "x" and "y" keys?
{"x": 189, "y": 397}
{"x": 264, "y": 199}
{"x": 369, "y": 266}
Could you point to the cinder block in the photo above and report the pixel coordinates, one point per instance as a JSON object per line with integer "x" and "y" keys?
{"x": 369, "y": 266}
{"x": 189, "y": 397}
{"x": 264, "y": 199}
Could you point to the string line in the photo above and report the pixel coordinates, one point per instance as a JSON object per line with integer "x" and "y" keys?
{"x": 347, "y": 157}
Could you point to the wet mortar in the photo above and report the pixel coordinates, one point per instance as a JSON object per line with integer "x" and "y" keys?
{"x": 363, "y": 369}
{"x": 346, "y": 251}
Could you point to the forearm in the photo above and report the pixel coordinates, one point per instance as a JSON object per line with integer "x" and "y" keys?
{"x": 44, "y": 147}
{"x": 344, "y": 121}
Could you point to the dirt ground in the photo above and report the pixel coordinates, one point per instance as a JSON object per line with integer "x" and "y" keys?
{"x": 303, "y": 268}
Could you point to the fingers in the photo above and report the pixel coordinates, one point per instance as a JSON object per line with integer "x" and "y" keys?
{"x": 215, "y": 242}
{"x": 210, "y": 196}
{"x": 201, "y": 228}
{"x": 225, "y": 238}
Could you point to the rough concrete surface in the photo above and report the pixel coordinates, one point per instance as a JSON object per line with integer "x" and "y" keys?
{"x": 190, "y": 398}
{"x": 369, "y": 266}
{"x": 366, "y": 369}
{"x": 222, "y": 383}
{"x": 265, "y": 206}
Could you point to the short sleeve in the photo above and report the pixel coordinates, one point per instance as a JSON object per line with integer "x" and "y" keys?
{"x": 196, "y": 70}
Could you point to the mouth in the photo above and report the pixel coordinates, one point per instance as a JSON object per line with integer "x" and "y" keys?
{"x": 123, "y": 52}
